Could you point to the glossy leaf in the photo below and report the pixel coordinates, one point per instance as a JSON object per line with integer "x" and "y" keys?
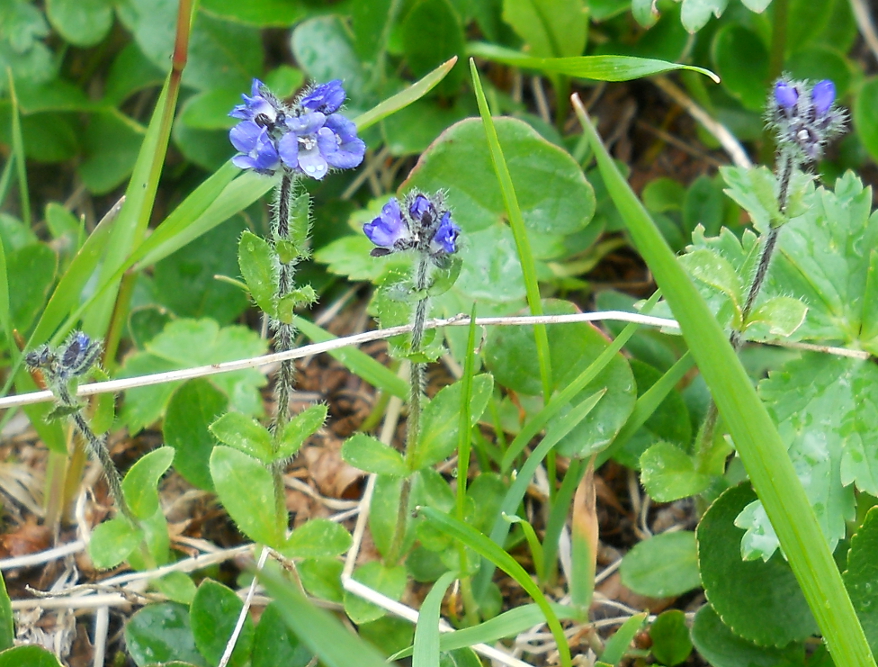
{"x": 716, "y": 643}
{"x": 213, "y": 614}
{"x": 28, "y": 656}
{"x": 161, "y": 633}
{"x": 276, "y": 644}
{"x": 246, "y": 489}
{"x": 777, "y": 613}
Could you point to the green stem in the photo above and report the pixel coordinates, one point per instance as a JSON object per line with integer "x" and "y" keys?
{"x": 413, "y": 422}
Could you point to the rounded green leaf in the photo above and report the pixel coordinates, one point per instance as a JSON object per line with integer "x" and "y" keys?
{"x": 192, "y": 407}
{"x": 759, "y": 601}
{"x": 551, "y": 30}
{"x": 371, "y": 455}
{"x": 741, "y": 60}
{"x": 280, "y": 13}
{"x": 112, "y": 542}
{"x": 112, "y": 141}
{"x": 246, "y": 489}
{"x": 721, "y": 647}
{"x": 316, "y": 539}
{"x": 389, "y": 581}
{"x": 668, "y": 473}
{"x": 213, "y": 614}
{"x": 161, "y": 633}
{"x": 139, "y": 485}
{"x": 28, "y": 656}
{"x": 275, "y": 644}
{"x": 244, "y": 434}
{"x": 322, "y": 47}
{"x": 321, "y": 577}
{"x": 31, "y": 272}
{"x": 81, "y": 22}
{"x": 670, "y": 638}
{"x": 782, "y": 314}
{"x": 177, "y": 586}
{"x": 662, "y": 566}
{"x": 551, "y": 188}
{"x": 696, "y": 13}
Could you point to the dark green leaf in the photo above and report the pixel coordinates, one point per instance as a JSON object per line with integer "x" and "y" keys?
{"x": 7, "y": 626}
{"x": 776, "y": 613}
{"x": 446, "y": 41}
{"x": 554, "y": 28}
{"x": 670, "y": 638}
{"x": 30, "y": 273}
{"x": 191, "y": 409}
{"x": 213, "y": 614}
{"x": 275, "y": 644}
{"x": 740, "y": 57}
{"x": 322, "y": 47}
{"x": 716, "y": 643}
{"x": 321, "y": 577}
{"x": 28, "y": 656}
{"x": 280, "y": 13}
{"x": 81, "y": 22}
{"x": 861, "y": 575}
{"x": 389, "y": 581}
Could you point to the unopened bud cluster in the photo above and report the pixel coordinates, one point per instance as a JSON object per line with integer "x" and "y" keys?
{"x": 804, "y": 117}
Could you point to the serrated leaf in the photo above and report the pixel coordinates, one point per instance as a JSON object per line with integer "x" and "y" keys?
{"x": 246, "y": 490}
{"x": 826, "y": 410}
{"x": 776, "y": 613}
{"x": 668, "y": 473}
{"x": 371, "y": 455}
{"x": 318, "y": 538}
{"x": 299, "y": 429}
{"x": 440, "y": 421}
{"x": 714, "y": 270}
{"x": 244, "y": 434}
{"x": 782, "y": 314}
{"x": 139, "y": 485}
{"x": 861, "y": 575}
{"x": 185, "y": 343}
{"x": 662, "y": 566}
{"x": 259, "y": 269}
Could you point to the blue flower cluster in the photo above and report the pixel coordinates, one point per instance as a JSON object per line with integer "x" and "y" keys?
{"x": 423, "y": 224}
{"x": 307, "y": 137}
{"x": 805, "y": 117}
{"x": 76, "y": 357}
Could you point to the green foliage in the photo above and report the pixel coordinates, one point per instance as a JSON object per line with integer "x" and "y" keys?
{"x": 213, "y": 614}
{"x": 662, "y": 566}
{"x": 670, "y": 638}
{"x": 185, "y": 343}
{"x": 861, "y": 575}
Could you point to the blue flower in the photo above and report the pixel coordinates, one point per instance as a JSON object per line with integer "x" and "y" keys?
{"x": 326, "y": 98}
{"x": 257, "y": 150}
{"x": 823, "y": 95}
{"x": 445, "y": 239}
{"x": 785, "y": 94}
{"x": 261, "y": 107}
{"x": 804, "y": 117}
{"x": 388, "y": 231}
{"x": 308, "y": 137}
{"x": 423, "y": 224}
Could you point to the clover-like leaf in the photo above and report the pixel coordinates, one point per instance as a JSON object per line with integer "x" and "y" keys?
{"x": 668, "y": 473}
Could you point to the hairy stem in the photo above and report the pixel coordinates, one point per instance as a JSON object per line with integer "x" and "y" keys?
{"x": 413, "y": 422}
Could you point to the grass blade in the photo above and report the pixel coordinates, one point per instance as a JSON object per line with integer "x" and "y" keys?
{"x": 516, "y": 222}
{"x": 600, "y": 68}
{"x": 358, "y": 362}
{"x": 758, "y": 443}
{"x": 319, "y": 630}
{"x": 488, "y": 549}
{"x": 426, "y": 646}
{"x": 402, "y": 99}
{"x": 18, "y": 154}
